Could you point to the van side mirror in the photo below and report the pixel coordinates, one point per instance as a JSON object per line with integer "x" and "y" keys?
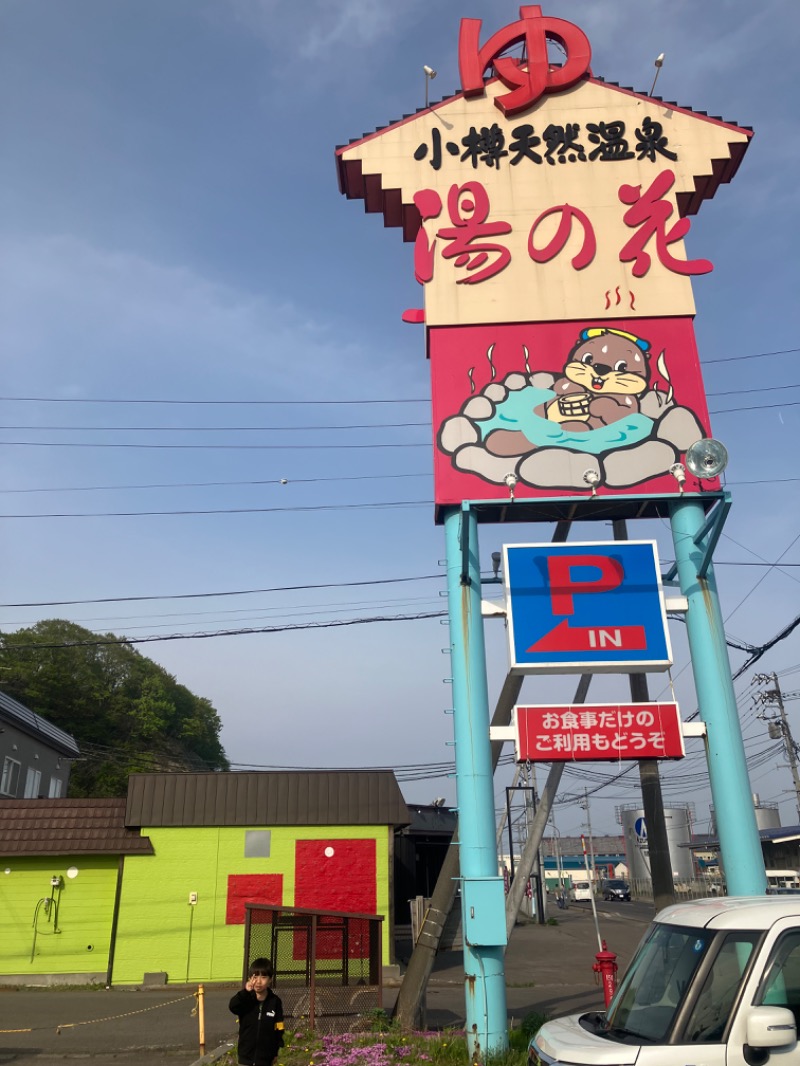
{"x": 768, "y": 1028}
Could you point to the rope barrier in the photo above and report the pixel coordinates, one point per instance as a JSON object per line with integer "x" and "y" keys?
{"x": 111, "y": 1018}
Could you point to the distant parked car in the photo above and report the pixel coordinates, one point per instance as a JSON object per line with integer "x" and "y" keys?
{"x": 616, "y": 890}
{"x": 581, "y": 890}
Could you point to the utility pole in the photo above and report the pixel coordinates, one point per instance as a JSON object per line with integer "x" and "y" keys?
{"x": 781, "y": 728}
{"x": 652, "y": 800}
{"x": 505, "y": 816}
{"x": 530, "y": 814}
{"x": 585, "y": 806}
{"x": 557, "y": 851}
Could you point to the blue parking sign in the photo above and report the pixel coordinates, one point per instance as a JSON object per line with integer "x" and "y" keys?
{"x": 586, "y": 607}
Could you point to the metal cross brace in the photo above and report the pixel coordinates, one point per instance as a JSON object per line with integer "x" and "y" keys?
{"x": 712, "y": 528}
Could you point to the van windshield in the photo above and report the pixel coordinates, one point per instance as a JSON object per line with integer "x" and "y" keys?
{"x": 648, "y": 999}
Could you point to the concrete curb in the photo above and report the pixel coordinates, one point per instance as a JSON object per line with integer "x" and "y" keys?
{"x": 215, "y": 1055}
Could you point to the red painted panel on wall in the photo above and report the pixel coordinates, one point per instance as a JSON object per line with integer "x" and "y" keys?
{"x": 251, "y": 888}
{"x": 335, "y": 875}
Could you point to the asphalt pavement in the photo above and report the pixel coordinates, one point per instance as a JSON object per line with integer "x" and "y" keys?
{"x": 548, "y": 971}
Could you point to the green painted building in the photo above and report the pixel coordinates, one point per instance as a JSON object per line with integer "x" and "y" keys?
{"x": 109, "y": 890}
{"x": 61, "y": 864}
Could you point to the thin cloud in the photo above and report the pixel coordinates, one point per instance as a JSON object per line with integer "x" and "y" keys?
{"x": 112, "y": 312}
{"x": 323, "y": 31}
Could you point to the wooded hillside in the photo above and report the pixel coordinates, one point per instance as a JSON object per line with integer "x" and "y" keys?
{"x": 125, "y": 711}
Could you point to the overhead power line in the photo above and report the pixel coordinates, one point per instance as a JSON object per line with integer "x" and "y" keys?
{"x": 327, "y": 446}
{"x": 749, "y": 562}
{"x": 754, "y": 407}
{"x": 330, "y": 624}
{"x": 218, "y": 429}
{"x": 761, "y": 388}
{"x": 304, "y": 428}
{"x": 240, "y": 615}
{"x": 759, "y": 652}
{"x": 13, "y": 647}
{"x": 738, "y": 358}
{"x": 283, "y": 481}
{"x": 293, "y": 588}
{"x": 288, "y": 481}
{"x": 307, "y": 403}
{"x": 210, "y": 403}
{"x": 230, "y": 510}
{"x": 237, "y": 592}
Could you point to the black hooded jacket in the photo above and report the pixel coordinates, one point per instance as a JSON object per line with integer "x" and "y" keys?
{"x": 260, "y": 1027}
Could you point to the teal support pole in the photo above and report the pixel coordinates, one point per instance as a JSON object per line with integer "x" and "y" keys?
{"x": 484, "y": 971}
{"x": 727, "y": 767}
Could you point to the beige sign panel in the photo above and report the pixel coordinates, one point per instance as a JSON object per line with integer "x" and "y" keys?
{"x": 569, "y": 210}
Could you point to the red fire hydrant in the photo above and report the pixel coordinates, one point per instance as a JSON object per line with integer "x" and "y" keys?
{"x": 606, "y": 966}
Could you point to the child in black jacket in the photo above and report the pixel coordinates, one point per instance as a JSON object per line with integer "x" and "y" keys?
{"x": 260, "y": 1014}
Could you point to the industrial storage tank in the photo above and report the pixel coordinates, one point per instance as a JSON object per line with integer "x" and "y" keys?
{"x": 768, "y": 815}
{"x": 679, "y": 822}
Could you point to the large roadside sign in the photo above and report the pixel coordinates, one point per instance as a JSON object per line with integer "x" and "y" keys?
{"x": 548, "y": 210}
{"x": 585, "y": 608}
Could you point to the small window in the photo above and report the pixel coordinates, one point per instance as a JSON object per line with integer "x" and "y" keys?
{"x": 56, "y": 785}
{"x": 256, "y": 843}
{"x": 33, "y": 779}
{"x": 10, "y": 779}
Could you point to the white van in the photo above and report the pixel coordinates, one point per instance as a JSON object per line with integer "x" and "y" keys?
{"x": 714, "y": 982}
{"x": 581, "y": 890}
{"x": 783, "y": 880}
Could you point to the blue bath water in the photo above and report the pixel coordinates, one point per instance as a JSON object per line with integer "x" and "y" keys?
{"x": 516, "y": 412}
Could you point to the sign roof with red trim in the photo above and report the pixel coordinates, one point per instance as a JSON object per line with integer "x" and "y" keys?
{"x": 553, "y": 180}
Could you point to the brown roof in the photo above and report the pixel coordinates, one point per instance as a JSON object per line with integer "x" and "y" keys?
{"x": 68, "y": 827}
{"x": 320, "y": 797}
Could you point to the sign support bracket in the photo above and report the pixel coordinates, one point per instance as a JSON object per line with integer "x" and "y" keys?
{"x": 712, "y": 527}
{"x": 463, "y": 541}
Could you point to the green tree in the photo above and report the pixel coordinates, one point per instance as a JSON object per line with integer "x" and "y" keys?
{"x": 126, "y": 712}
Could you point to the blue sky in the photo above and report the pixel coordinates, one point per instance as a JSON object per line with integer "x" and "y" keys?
{"x": 157, "y": 159}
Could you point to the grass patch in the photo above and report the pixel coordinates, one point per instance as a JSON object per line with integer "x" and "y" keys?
{"x": 387, "y": 1045}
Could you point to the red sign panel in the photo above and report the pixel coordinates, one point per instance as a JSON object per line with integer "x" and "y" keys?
{"x": 565, "y": 408}
{"x": 605, "y": 732}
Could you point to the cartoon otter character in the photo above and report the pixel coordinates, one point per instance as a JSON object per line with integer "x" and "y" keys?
{"x": 604, "y": 374}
